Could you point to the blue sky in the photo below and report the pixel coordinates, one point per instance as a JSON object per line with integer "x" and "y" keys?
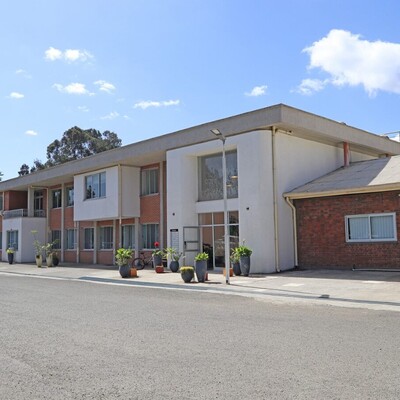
{"x": 142, "y": 68}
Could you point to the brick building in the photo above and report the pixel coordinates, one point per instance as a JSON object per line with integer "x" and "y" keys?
{"x": 169, "y": 189}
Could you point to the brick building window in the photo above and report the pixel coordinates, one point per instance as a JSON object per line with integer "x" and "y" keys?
{"x": 149, "y": 235}
{"x": 89, "y": 239}
{"x": 56, "y": 198}
{"x": 56, "y": 239}
{"x": 128, "y": 236}
{"x": 70, "y": 196}
{"x": 70, "y": 239}
{"x": 149, "y": 182}
{"x": 371, "y": 227}
{"x": 106, "y": 238}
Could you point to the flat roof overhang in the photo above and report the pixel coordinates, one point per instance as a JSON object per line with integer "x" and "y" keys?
{"x": 292, "y": 121}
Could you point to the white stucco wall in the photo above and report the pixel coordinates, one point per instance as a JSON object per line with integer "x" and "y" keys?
{"x": 297, "y": 161}
{"x": 108, "y": 207}
{"x": 24, "y": 226}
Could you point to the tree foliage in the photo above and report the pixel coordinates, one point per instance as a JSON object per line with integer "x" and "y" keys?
{"x": 76, "y": 143}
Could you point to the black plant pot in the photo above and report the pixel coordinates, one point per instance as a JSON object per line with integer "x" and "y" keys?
{"x": 236, "y": 268}
{"x": 157, "y": 260}
{"x": 125, "y": 271}
{"x": 245, "y": 265}
{"x": 56, "y": 261}
{"x": 10, "y": 257}
{"x": 187, "y": 276}
{"x": 201, "y": 270}
{"x": 174, "y": 266}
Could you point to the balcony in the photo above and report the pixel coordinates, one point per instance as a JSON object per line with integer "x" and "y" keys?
{"x": 22, "y": 212}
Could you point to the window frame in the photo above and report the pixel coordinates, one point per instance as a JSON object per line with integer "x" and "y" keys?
{"x": 152, "y": 240}
{"x": 67, "y": 239}
{"x": 100, "y": 180}
{"x": 67, "y": 198}
{"x": 85, "y": 230}
{"x": 101, "y": 235}
{"x": 56, "y": 201}
{"x": 9, "y": 234}
{"x": 370, "y": 239}
{"x": 146, "y": 183}
{"x": 131, "y": 235}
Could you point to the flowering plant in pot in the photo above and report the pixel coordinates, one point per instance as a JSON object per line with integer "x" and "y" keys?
{"x": 201, "y": 261}
{"x": 157, "y": 255}
{"x": 10, "y": 255}
{"x": 38, "y": 249}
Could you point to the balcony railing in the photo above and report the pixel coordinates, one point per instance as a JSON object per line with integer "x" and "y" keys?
{"x": 22, "y": 212}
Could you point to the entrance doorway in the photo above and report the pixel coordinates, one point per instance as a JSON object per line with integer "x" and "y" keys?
{"x": 212, "y": 239}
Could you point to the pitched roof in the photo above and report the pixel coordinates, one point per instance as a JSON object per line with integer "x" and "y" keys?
{"x": 376, "y": 175}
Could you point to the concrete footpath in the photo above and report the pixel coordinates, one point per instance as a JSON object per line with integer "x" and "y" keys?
{"x": 359, "y": 289}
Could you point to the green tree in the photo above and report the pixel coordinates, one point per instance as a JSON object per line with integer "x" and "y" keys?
{"x": 76, "y": 143}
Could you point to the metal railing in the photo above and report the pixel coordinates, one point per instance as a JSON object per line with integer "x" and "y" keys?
{"x": 22, "y": 212}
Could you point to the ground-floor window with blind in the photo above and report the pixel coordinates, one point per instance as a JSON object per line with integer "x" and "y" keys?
{"x": 106, "y": 238}
{"x": 149, "y": 235}
{"x": 128, "y": 236}
{"x": 371, "y": 227}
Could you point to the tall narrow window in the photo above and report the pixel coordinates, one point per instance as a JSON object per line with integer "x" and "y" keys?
{"x": 56, "y": 198}
{"x": 128, "y": 236}
{"x": 95, "y": 186}
{"x": 56, "y": 239}
{"x": 70, "y": 239}
{"x": 149, "y": 235}
{"x": 211, "y": 177}
{"x": 106, "y": 238}
{"x": 1, "y": 202}
{"x": 149, "y": 181}
{"x": 38, "y": 205}
{"x": 70, "y": 196}
{"x": 12, "y": 239}
{"x": 89, "y": 239}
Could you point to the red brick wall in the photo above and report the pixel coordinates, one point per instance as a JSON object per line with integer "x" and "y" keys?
{"x": 322, "y": 237}
{"x": 14, "y": 200}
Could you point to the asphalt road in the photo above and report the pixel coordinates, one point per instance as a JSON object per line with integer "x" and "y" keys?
{"x": 80, "y": 340}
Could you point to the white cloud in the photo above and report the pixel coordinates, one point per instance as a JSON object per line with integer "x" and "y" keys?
{"x": 112, "y": 115}
{"x": 52, "y": 54}
{"x": 83, "y": 108}
{"x": 352, "y": 61}
{"x": 257, "y": 91}
{"x": 310, "y": 86}
{"x": 31, "y": 133}
{"x": 16, "y": 95}
{"x": 72, "y": 88}
{"x": 105, "y": 86}
{"x": 69, "y": 55}
{"x": 146, "y": 104}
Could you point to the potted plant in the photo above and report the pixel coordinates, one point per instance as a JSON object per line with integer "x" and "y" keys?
{"x": 157, "y": 255}
{"x": 38, "y": 250}
{"x": 174, "y": 256}
{"x": 187, "y": 273}
{"x": 122, "y": 258}
{"x": 235, "y": 260}
{"x": 10, "y": 255}
{"x": 244, "y": 254}
{"x": 201, "y": 260}
{"x": 56, "y": 260}
{"x": 48, "y": 248}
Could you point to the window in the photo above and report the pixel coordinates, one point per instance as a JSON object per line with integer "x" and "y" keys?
{"x": 70, "y": 196}
{"x": 89, "y": 239}
{"x": 106, "y": 238}
{"x": 149, "y": 181}
{"x": 71, "y": 239}
{"x": 149, "y": 235}
{"x": 1, "y": 240}
{"x": 1, "y": 202}
{"x": 211, "y": 177}
{"x": 371, "y": 227}
{"x": 12, "y": 239}
{"x": 95, "y": 186}
{"x": 128, "y": 236}
{"x": 56, "y": 198}
{"x": 38, "y": 200}
{"x": 56, "y": 239}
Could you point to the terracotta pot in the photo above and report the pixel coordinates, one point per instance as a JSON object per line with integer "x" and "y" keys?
{"x": 133, "y": 273}
{"x": 230, "y": 271}
{"x": 159, "y": 269}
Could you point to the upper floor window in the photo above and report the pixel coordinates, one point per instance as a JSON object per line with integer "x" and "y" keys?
{"x": 38, "y": 200}
{"x": 95, "y": 185}
{"x": 56, "y": 198}
{"x": 70, "y": 196}
{"x": 1, "y": 202}
{"x": 371, "y": 227}
{"x": 149, "y": 181}
{"x": 211, "y": 177}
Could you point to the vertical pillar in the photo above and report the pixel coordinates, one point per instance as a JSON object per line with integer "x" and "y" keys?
{"x": 346, "y": 154}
